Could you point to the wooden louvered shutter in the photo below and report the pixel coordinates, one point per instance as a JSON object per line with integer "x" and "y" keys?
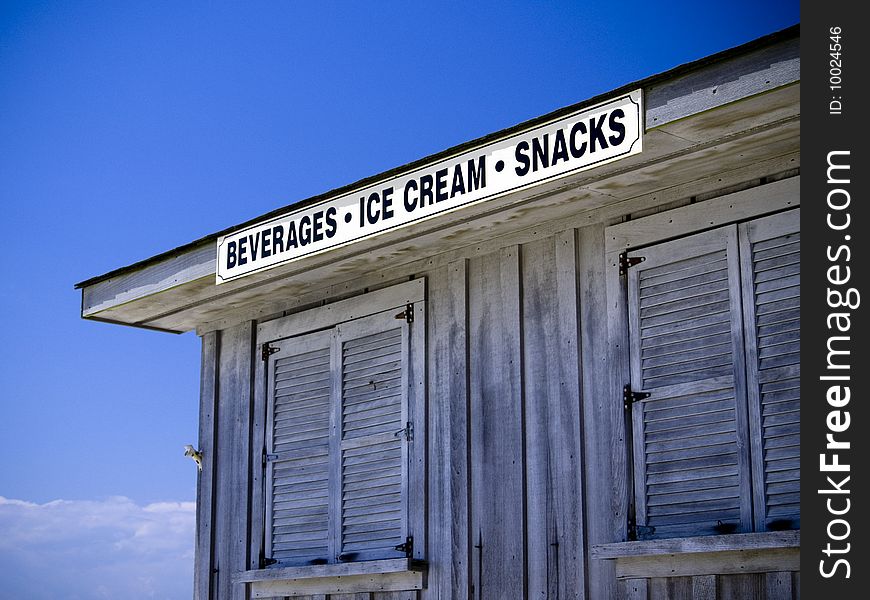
{"x": 691, "y": 459}
{"x": 371, "y": 449}
{"x": 770, "y": 257}
{"x": 297, "y": 446}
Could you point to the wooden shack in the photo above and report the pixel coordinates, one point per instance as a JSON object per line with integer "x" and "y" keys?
{"x": 586, "y": 386}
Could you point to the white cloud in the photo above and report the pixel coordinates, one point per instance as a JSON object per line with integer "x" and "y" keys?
{"x": 83, "y": 550}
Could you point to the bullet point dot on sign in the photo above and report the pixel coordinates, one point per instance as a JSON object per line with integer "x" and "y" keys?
{"x": 499, "y": 166}
{"x": 848, "y": 237}
{"x": 347, "y": 217}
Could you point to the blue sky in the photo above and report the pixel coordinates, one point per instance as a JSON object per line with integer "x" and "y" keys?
{"x": 130, "y": 128}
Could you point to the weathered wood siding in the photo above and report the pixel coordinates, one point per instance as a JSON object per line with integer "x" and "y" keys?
{"x": 527, "y": 457}
{"x": 781, "y": 585}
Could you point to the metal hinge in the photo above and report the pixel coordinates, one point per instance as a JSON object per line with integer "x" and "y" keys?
{"x": 626, "y": 262}
{"x": 268, "y": 351}
{"x": 407, "y": 314}
{"x": 269, "y": 561}
{"x": 407, "y": 432}
{"x": 639, "y": 532}
{"x": 267, "y": 458}
{"x": 629, "y": 396}
{"x": 407, "y": 547}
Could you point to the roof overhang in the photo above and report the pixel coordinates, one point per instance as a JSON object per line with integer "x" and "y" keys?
{"x": 738, "y": 111}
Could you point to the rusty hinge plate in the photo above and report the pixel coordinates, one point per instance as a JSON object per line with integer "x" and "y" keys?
{"x": 626, "y": 262}
{"x": 407, "y": 547}
{"x": 268, "y": 351}
{"x": 629, "y": 396}
{"x": 407, "y": 314}
{"x": 639, "y": 532}
{"x": 406, "y": 432}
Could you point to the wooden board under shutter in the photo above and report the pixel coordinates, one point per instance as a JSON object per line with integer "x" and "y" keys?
{"x": 297, "y": 435}
{"x": 371, "y": 464}
{"x": 770, "y": 260}
{"x": 686, "y": 346}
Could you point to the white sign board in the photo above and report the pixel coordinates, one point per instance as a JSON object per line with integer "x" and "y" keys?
{"x": 588, "y": 138}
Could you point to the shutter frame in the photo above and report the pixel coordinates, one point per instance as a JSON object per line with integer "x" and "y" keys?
{"x": 680, "y": 386}
{"x": 288, "y": 349}
{"x": 769, "y": 229}
{"x": 373, "y": 329}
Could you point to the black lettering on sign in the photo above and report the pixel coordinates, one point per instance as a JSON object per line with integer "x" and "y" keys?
{"x": 560, "y": 148}
{"x": 317, "y": 225}
{"x": 596, "y": 133}
{"x": 477, "y": 175}
{"x": 425, "y": 190}
{"x": 278, "y": 238}
{"x": 372, "y": 212}
{"x": 441, "y": 185}
{"x": 331, "y": 223}
{"x": 304, "y": 230}
{"x": 521, "y": 157}
{"x": 458, "y": 182}
{"x": 387, "y": 203}
{"x": 292, "y": 240}
{"x": 617, "y": 127}
{"x": 578, "y": 150}
{"x": 410, "y": 201}
{"x": 541, "y": 150}
{"x": 231, "y": 255}
{"x": 267, "y": 238}
{"x": 243, "y": 260}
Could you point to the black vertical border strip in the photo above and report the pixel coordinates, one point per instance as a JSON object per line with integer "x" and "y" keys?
{"x": 822, "y": 133}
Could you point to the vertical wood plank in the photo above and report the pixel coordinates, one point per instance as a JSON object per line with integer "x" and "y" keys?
{"x": 203, "y": 562}
{"x": 438, "y": 352}
{"x": 779, "y": 586}
{"x": 258, "y": 445}
{"x": 541, "y": 365}
{"x": 603, "y": 344}
{"x": 552, "y": 418}
{"x": 410, "y": 595}
{"x": 233, "y": 458}
{"x": 671, "y": 588}
{"x": 749, "y": 586}
{"x": 417, "y": 517}
{"x": 565, "y": 428}
{"x": 450, "y": 536}
{"x": 658, "y": 588}
{"x": 498, "y": 529}
{"x": 704, "y": 587}
{"x": 633, "y": 589}
{"x": 459, "y": 538}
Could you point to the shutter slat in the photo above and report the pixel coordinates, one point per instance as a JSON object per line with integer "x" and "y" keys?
{"x": 687, "y": 267}
{"x": 778, "y": 273}
{"x": 690, "y": 442}
{"x": 687, "y": 410}
{"x": 689, "y": 283}
{"x": 686, "y": 432}
{"x": 715, "y": 482}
